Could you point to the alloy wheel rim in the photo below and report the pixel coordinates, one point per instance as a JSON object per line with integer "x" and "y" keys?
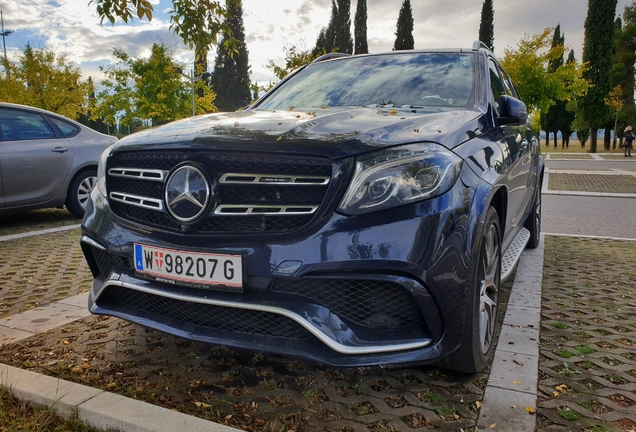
{"x": 85, "y": 189}
{"x": 489, "y": 289}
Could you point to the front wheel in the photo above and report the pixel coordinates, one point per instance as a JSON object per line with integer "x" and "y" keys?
{"x": 477, "y": 347}
{"x": 79, "y": 192}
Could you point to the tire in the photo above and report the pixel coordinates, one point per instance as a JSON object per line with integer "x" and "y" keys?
{"x": 533, "y": 223}
{"x": 79, "y": 192}
{"x": 477, "y": 347}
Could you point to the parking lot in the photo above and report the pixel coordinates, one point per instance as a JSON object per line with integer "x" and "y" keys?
{"x": 586, "y": 370}
{"x": 247, "y": 390}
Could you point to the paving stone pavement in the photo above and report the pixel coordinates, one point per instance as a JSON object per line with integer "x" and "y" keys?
{"x": 587, "y": 370}
{"x": 255, "y": 392}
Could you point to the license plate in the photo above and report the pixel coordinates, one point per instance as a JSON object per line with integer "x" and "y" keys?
{"x": 193, "y": 269}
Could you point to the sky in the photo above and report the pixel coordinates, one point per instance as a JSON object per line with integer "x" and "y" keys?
{"x": 72, "y": 28}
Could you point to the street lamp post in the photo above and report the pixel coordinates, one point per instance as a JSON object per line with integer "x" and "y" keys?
{"x": 5, "y": 33}
{"x": 193, "y": 79}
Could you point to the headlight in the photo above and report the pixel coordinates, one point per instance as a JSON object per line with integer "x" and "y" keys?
{"x": 400, "y": 175}
{"x": 101, "y": 170}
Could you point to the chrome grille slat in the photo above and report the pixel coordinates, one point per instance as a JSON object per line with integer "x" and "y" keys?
{"x": 290, "y": 210}
{"x": 273, "y": 179}
{"x": 139, "y": 173}
{"x": 138, "y": 201}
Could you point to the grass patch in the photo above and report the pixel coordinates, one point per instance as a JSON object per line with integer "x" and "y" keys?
{"x": 583, "y": 349}
{"x": 563, "y": 353}
{"x": 559, "y": 325}
{"x": 569, "y": 414}
{"x": 19, "y": 416}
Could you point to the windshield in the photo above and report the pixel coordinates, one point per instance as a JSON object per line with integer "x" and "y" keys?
{"x": 412, "y": 79}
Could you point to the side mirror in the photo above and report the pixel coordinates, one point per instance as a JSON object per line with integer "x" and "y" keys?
{"x": 512, "y": 111}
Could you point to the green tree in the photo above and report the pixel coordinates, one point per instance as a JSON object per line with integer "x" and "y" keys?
{"x": 44, "y": 80}
{"x": 295, "y": 57}
{"x": 404, "y": 32}
{"x": 487, "y": 24}
{"x": 623, "y": 73}
{"x": 197, "y": 22}
{"x": 159, "y": 91}
{"x": 597, "y": 53}
{"x": 360, "y": 28}
{"x": 336, "y": 37}
{"x": 528, "y": 67}
{"x": 230, "y": 79}
{"x": 550, "y": 117}
{"x": 116, "y": 102}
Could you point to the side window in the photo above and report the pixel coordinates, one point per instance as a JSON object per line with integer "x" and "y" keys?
{"x": 22, "y": 125}
{"x": 496, "y": 83}
{"x": 511, "y": 90}
{"x": 68, "y": 130}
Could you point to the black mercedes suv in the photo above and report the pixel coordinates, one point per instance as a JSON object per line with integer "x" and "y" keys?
{"x": 364, "y": 211}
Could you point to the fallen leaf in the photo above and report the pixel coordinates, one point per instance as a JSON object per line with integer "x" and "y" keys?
{"x": 561, "y": 387}
{"x": 555, "y": 393}
{"x": 530, "y": 409}
{"x": 516, "y": 382}
{"x": 518, "y": 362}
{"x": 494, "y": 425}
{"x": 393, "y": 112}
{"x": 279, "y": 138}
{"x": 478, "y": 404}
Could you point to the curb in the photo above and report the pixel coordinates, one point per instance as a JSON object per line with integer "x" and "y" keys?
{"x": 511, "y": 394}
{"x": 97, "y": 408}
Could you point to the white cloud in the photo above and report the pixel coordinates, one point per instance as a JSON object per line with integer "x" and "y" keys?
{"x": 72, "y": 27}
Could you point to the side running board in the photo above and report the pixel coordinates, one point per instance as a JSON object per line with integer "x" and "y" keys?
{"x": 512, "y": 255}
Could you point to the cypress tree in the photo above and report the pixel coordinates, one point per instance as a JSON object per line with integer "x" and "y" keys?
{"x": 487, "y": 26}
{"x": 336, "y": 37}
{"x": 360, "y": 28}
{"x": 566, "y": 117}
{"x": 344, "y": 41}
{"x": 404, "y": 33}
{"x": 230, "y": 80}
{"x": 597, "y": 52}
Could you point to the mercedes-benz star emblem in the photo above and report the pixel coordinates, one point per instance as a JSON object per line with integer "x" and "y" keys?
{"x": 187, "y": 193}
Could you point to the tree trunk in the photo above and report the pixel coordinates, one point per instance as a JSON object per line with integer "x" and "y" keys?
{"x": 547, "y": 139}
{"x": 607, "y": 138}
{"x": 555, "y": 140}
{"x": 593, "y": 139}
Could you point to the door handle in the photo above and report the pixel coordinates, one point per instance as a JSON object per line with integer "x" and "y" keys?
{"x": 60, "y": 149}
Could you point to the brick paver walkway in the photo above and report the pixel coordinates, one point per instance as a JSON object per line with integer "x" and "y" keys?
{"x": 35, "y": 271}
{"x": 587, "y": 371}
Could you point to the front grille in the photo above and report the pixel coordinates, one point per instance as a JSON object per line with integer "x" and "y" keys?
{"x": 179, "y": 313}
{"x": 252, "y": 193}
{"x": 107, "y": 262}
{"x": 368, "y": 303}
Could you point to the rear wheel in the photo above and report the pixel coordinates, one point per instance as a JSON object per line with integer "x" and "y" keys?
{"x": 533, "y": 223}
{"x": 477, "y": 346}
{"x": 79, "y": 192}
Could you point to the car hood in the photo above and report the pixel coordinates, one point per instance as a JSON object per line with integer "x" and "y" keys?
{"x": 332, "y": 132}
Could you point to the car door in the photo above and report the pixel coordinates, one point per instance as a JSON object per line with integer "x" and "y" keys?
{"x": 34, "y": 158}
{"x": 516, "y": 149}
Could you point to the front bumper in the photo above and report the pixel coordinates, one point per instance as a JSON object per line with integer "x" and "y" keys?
{"x": 376, "y": 289}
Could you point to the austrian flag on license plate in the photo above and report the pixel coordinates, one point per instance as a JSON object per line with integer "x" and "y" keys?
{"x": 189, "y": 268}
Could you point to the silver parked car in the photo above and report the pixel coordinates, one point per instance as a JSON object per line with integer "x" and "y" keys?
{"x": 46, "y": 160}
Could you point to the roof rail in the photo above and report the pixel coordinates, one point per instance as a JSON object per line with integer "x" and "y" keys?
{"x": 330, "y": 56}
{"x": 479, "y": 44}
